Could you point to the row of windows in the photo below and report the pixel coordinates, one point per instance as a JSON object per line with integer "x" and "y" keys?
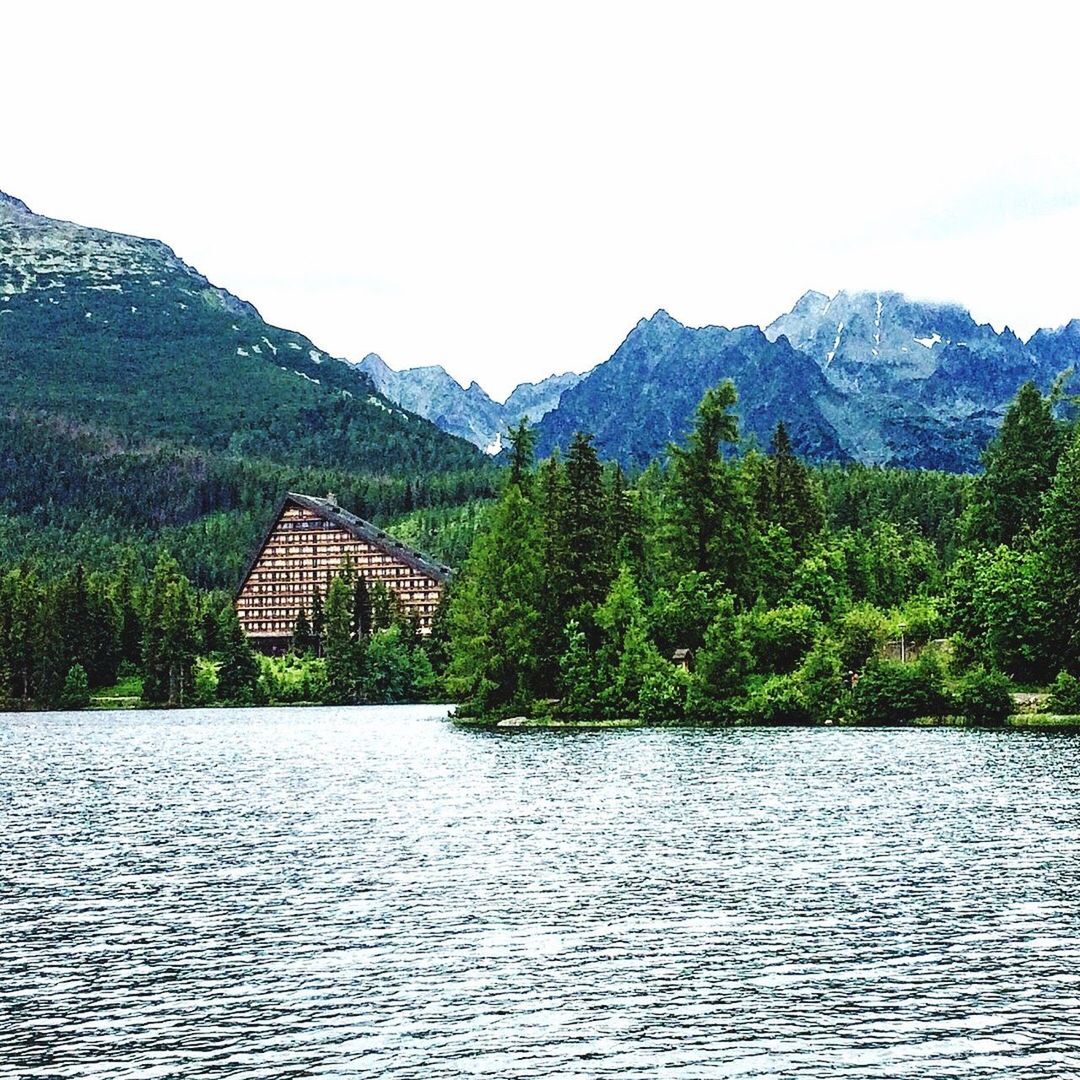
{"x": 305, "y": 524}
{"x": 249, "y": 610}
{"x": 274, "y": 570}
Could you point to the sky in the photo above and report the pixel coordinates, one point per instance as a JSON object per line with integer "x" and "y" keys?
{"x": 505, "y": 189}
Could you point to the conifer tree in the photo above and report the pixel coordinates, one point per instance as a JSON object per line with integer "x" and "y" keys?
{"x": 558, "y": 569}
{"x": 584, "y": 526}
{"x": 383, "y": 607}
{"x": 711, "y": 507}
{"x": 522, "y": 441}
{"x": 1058, "y": 545}
{"x": 343, "y": 650}
{"x": 318, "y": 621}
{"x": 170, "y": 637}
{"x": 794, "y": 502}
{"x": 625, "y": 540}
{"x": 362, "y": 613}
{"x": 495, "y": 621}
{"x": 1020, "y": 465}
{"x": 50, "y": 663}
{"x": 239, "y": 669}
{"x": 303, "y": 641}
{"x": 125, "y": 603}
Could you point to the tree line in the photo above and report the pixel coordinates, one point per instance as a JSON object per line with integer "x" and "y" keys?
{"x": 783, "y": 582}
{"x": 578, "y": 583}
{"x": 162, "y": 640}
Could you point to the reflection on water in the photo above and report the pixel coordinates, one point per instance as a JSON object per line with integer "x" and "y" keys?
{"x": 370, "y": 892}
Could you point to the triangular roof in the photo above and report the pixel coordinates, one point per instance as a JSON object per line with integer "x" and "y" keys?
{"x": 362, "y": 530}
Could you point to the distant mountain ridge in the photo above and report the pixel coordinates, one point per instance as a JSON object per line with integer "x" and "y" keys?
{"x": 873, "y": 377}
{"x": 470, "y": 412}
{"x": 645, "y": 396}
{"x": 118, "y": 332}
{"x": 870, "y": 377}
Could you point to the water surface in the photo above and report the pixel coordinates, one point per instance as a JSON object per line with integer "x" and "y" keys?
{"x": 371, "y": 892}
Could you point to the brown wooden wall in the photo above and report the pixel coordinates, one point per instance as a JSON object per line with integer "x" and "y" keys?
{"x": 304, "y": 552}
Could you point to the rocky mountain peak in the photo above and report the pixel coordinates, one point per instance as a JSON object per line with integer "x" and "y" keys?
{"x": 10, "y": 206}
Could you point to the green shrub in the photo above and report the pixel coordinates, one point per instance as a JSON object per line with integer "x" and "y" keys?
{"x": 894, "y": 693}
{"x": 862, "y": 633}
{"x": 984, "y": 697}
{"x": 1064, "y": 695}
{"x": 821, "y": 680}
{"x": 779, "y": 638}
{"x": 919, "y": 620}
{"x": 662, "y": 699}
{"x": 206, "y": 682}
{"x": 778, "y": 699}
{"x": 76, "y": 692}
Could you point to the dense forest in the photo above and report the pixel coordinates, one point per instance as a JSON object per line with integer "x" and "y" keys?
{"x": 787, "y": 585}
{"x": 790, "y": 594}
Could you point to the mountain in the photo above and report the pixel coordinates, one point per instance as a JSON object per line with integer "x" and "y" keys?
{"x": 644, "y": 397}
{"x": 922, "y": 384}
{"x": 118, "y": 332}
{"x": 469, "y": 412}
{"x": 142, "y": 407}
{"x": 870, "y": 377}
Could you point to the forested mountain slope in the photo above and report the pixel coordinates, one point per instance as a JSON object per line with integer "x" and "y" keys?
{"x": 135, "y": 396}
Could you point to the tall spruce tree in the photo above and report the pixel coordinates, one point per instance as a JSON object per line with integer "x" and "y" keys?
{"x": 362, "y": 613}
{"x": 126, "y": 605}
{"x": 342, "y": 647}
{"x": 318, "y": 621}
{"x": 303, "y": 640}
{"x": 522, "y": 441}
{"x": 712, "y": 510}
{"x": 558, "y": 569}
{"x": 584, "y": 525}
{"x": 239, "y": 669}
{"x": 495, "y": 621}
{"x": 1020, "y": 464}
{"x": 170, "y": 636}
{"x": 794, "y": 501}
{"x": 1058, "y": 545}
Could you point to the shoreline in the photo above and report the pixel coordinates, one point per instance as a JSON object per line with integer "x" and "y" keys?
{"x": 1016, "y": 722}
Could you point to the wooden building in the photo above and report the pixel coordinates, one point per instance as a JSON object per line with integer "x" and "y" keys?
{"x": 309, "y": 542}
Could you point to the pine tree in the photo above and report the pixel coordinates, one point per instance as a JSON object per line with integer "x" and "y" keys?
{"x": 170, "y": 637}
{"x": 495, "y": 622}
{"x": 362, "y": 613}
{"x": 239, "y": 669}
{"x": 51, "y": 663}
{"x": 522, "y": 441}
{"x": 583, "y": 522}
{"x": 303, "y": 640}
{"x": 344, "y": 659}
{"x": 318, "y": 621}
{"x": 1058, "y": 545}
{"x": 24, "y": 599}
{"x": 1020, "y": 465}
{"x": 129, "y": 632}
{"x": 712, "y": 511}
{"x": 625, "y": 540}
{"x": 553, "y": 601}
{"x": 384, "y": 607}
{"x": 794, "y": 501}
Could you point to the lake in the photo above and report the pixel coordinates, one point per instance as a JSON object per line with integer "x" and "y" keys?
{"x": 373, "y": 893}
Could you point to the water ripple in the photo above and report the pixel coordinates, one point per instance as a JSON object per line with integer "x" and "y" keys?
{"x": 371, "y": 893}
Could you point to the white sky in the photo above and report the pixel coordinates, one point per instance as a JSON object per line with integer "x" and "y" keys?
{"x": 505, "y": 189}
